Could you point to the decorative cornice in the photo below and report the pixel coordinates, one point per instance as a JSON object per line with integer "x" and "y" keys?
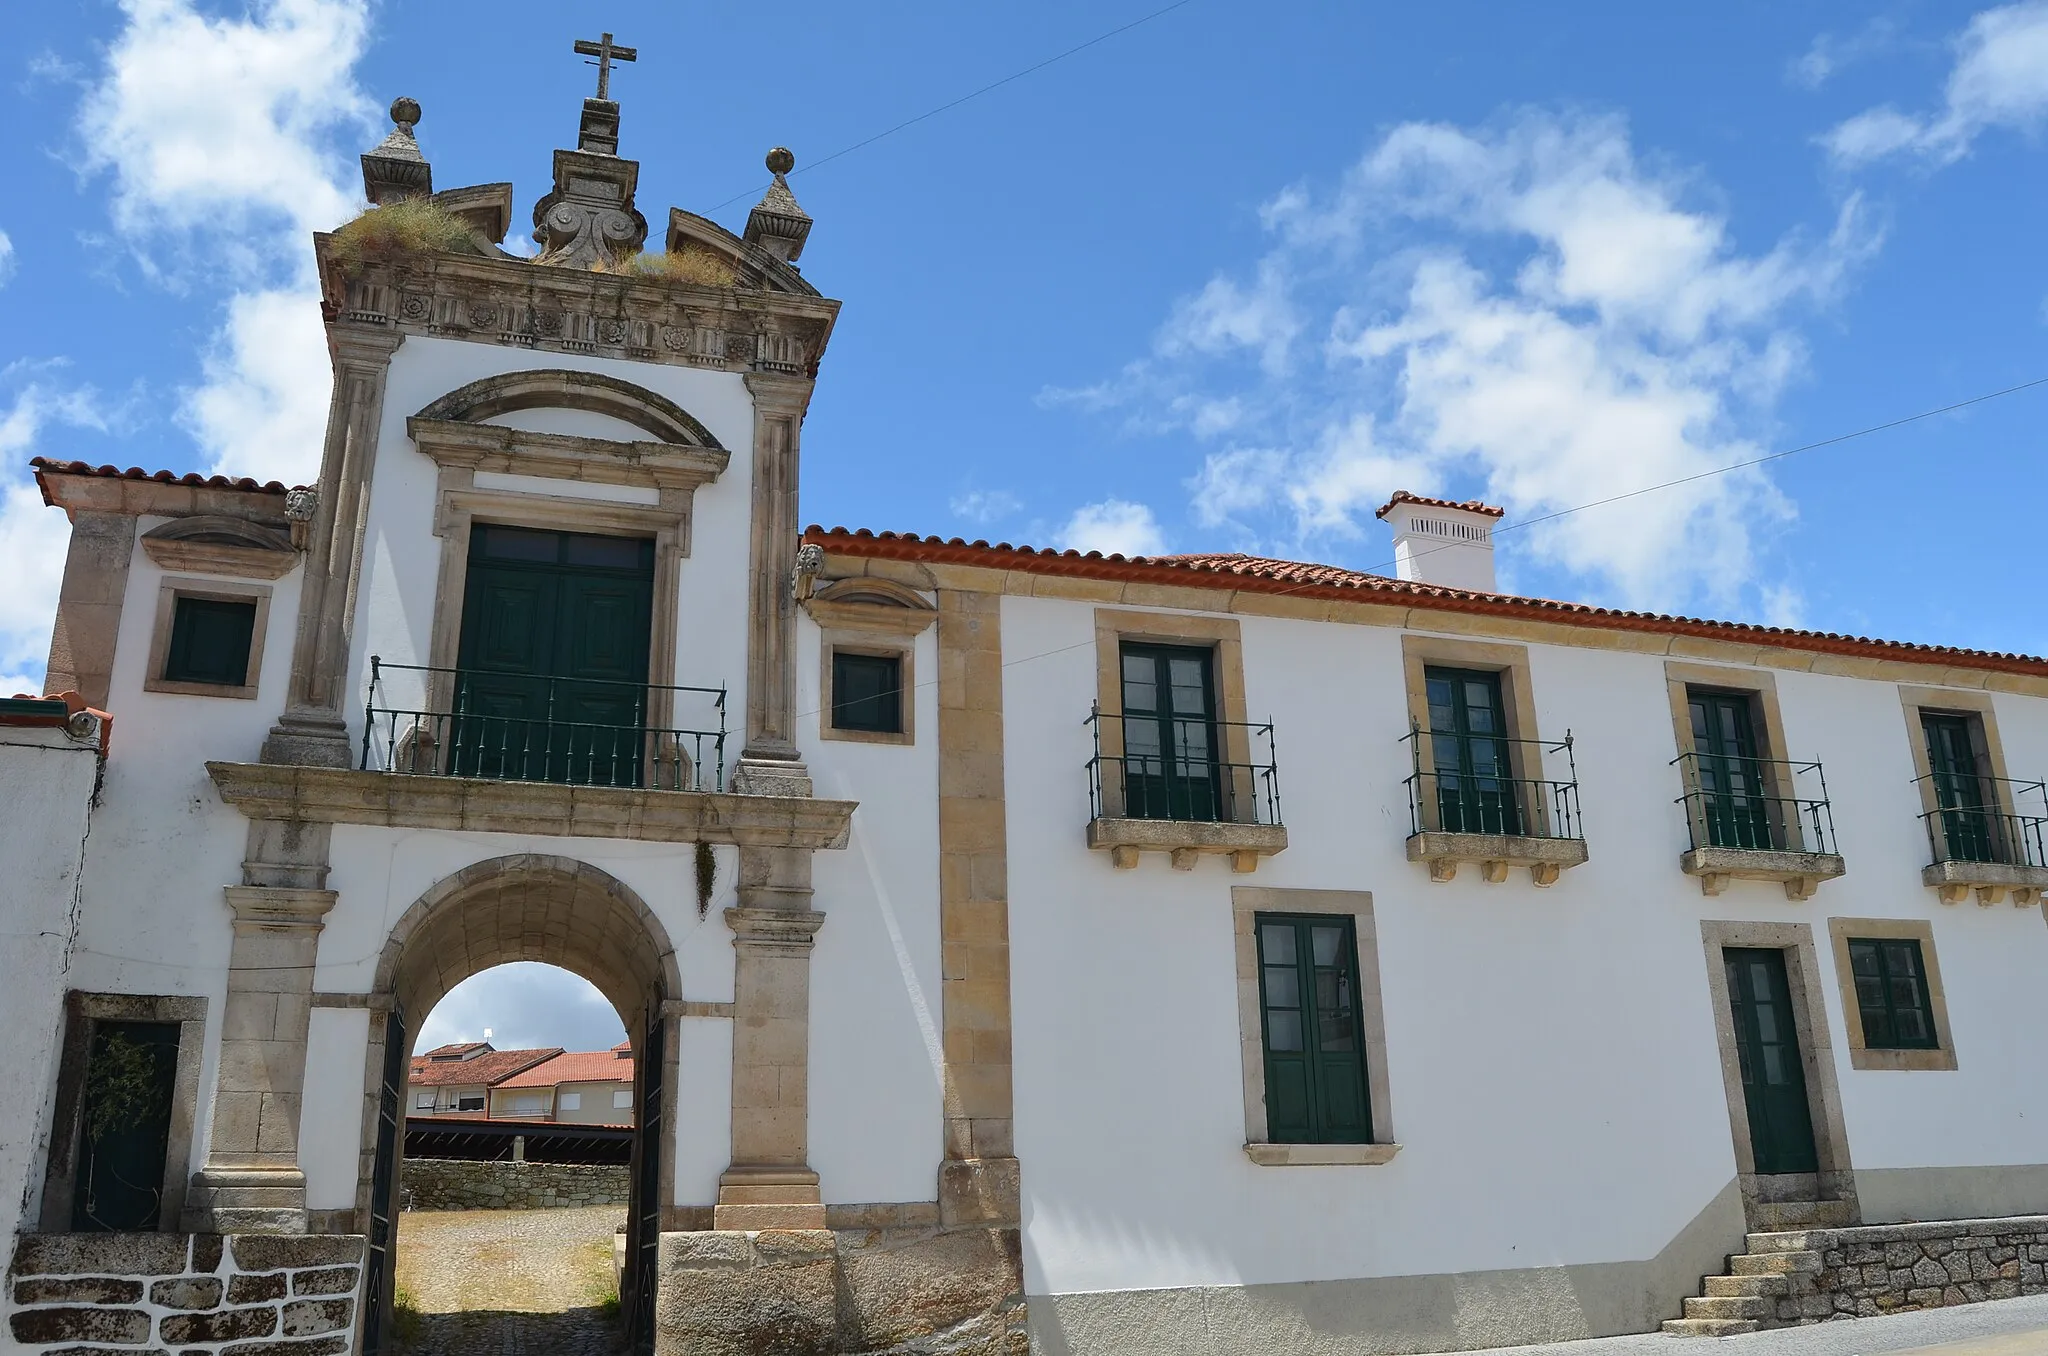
{"x": 561, "y": 456}
{"x": 213, "y": 543}
{"x": 273, "y": 908}
{"x": 775, "y": 932}
{"x": 322, "y": 795}
{"x": 520, "y": 304}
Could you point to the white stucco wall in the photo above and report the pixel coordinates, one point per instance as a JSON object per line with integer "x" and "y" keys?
{"x": 48, "y": 776}
{"x": 1555, "y": 1081}
{"x": 402, "y": 556}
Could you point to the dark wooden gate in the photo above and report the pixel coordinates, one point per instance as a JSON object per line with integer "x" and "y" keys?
{"x": 381, "y": 1255}
{"x": 643, "y": 1216}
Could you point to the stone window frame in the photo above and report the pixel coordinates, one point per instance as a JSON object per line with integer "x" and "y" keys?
{"x": 1223, "y": 637}
{"x": 216, "y": 590}
{"x": 865, "y": 615}
{"x": 1761, "y": 687}
{"x": 1981, "y": 711}
{"x": 1940, "y": 1059}
{"x": 1246, "y": 903}
{"x": 1836, "y": 1178}
{"x": 83, "y": 1011}
{"x": 1518, "y": 697}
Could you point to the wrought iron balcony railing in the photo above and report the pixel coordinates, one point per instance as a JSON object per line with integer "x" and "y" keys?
{"x": 1968, "y": 829}
{"x": 1182, "y": 768}
{"x": 1756, "y": 804}
{"x": 1475, "y": 790}
{"x": 441, "y": 722}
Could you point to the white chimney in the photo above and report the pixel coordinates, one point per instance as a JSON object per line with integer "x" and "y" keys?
{"x": 1439, "y": 542}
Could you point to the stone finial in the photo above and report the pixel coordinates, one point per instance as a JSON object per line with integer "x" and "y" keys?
{"x": 588, "y": 220}
{"x": 396, "y": 170}
{"x": 777, "y": 224}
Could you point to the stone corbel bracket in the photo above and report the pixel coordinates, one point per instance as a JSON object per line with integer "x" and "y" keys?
{"x": 1186, "y": 842}
{"x": 1800, "y": 872}
{"x": 324, "y": 795}
{"x": 1495, "y": 854}
{"x": 1991, "y": 882}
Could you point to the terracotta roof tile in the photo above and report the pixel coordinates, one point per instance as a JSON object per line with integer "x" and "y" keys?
{"x": 1469, "y": 505}
{"x": 1261, "y": 575}
{"x": 490, "y": 1069}
{"x": 80, "y": 468}
{"x": 458, "y": 1048}
{"x": 583, "y": 1066}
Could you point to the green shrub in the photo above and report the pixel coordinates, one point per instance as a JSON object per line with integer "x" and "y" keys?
{"x": 410, "y": 225}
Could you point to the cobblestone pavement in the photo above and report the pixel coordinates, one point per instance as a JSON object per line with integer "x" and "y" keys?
{"x": 2015, "y": 1327}
{"x": 508, "y": 1282}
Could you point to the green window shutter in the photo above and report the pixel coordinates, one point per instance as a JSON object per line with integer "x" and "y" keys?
{"x": 1731, "y": 774}
{"x": 1314, "y": 1037}
{"x": 1475, "y": 786}
{"x": 1891, "y": 994}
{"x": 1171, "y": 744}
{"x": 867, "y": 692}
{"x": 1967, "y": 825}
{"x": 210, "y": 640}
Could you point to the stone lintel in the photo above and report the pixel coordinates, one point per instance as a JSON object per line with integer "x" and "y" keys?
{"x": 1186, "y": 841}
{"x": 1495, "y": 853}
{"x": 562, "y": 456}
{"x": 341, "y": 795}
{"x": 1992, "y": 882}
{"x": 1800, "y": 872}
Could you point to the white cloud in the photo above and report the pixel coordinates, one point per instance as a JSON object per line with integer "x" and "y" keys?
{"x": 33, "y": 537}
{"x": 1525, "y": 310}
{"x": 525, "y": 1006}
{"x": 985, "y": 506}
{"x": 1831, "y": 53}
{"x": 261, "y": 407}
{"x": 6, "y": 258}
{"x": 1114, "y": 526}
{"x": 1999, "y": 79}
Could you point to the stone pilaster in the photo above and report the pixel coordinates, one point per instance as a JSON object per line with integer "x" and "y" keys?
{"x": 252, "y": 1182}
{"x": 770, "y": 1184}
{"x": 312, "y": 730}
{"x": 89, "y": 605}
{"x": 978, "y": 1182}
{"x": 769, "y": 764}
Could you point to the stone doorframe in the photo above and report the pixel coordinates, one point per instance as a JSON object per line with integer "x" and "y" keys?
{"x": 1836, "y": 1180}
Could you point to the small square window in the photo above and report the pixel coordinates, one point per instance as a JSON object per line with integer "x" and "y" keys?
{"x": 210, "y": 640}
{"x": 470, "y": 1101}
{"x": 571, "y": 1101}
{"x": 867, "y": 692}
{"x": 423, "y": 1101}
{"x": 1891, "y": 993}
{"x": 622, "y": 1099}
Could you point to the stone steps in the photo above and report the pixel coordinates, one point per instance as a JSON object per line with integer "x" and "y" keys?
{"x": 1746, "y": 1298}
{"x": 1729, "y": 1306}
{"x": 1710, "y": 1327}
{"x": 1760, "y": 1285}
{"x": 1772, "y": 1263}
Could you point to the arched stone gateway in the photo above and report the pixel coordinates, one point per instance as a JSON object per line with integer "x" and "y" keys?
{"x": 524, "y": 907}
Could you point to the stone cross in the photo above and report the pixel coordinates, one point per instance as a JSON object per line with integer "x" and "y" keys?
{"x": 606, "y": 53}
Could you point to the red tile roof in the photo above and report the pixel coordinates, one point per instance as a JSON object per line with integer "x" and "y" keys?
{"x": 79, "y": 468}
{"x": 584, "y": 1066}
{"x": 458, "y": 1048}
{"x": 1469, "y": 505}
{"x": 1256, "y": 574}
{"x": 488, "y": 1069}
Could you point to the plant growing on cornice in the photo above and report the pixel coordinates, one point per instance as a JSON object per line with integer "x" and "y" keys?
{"x": 707, "y": 877}
{"x": 121, "y": 1087}
{"x": 690, "y": 264}
{"x": 409, "y": 225}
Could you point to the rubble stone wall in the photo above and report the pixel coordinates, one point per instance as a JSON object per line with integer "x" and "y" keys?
{"x": 1882, "y": 1269}
{"x": 250, "y": 1294}
{"x": 462, "y": 1184}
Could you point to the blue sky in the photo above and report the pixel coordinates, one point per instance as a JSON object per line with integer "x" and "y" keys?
{"x": 1220, "y": 282}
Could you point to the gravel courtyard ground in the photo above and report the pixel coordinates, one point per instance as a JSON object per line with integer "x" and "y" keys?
{"x": 508, "y": 1282}
{"x": 2015, "y": 1327}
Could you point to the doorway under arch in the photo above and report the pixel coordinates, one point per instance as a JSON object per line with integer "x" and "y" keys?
{"x": 524, "y": 907}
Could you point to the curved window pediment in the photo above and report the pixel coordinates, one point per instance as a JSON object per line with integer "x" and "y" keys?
{"x": 562, "y": 388}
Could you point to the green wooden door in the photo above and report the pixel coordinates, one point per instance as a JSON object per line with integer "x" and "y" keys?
{"x": 553, "y": 683}
{"x": 1959, "y": 788}
{"x": 125, "y": 1132}
{"x": 1315, "y": 1042}
{"x": 1475, "y": 789}
{"x": 1171, "y": 767}
{"x": 1773, "y": 1070}
{"x": 1733, "y": 796}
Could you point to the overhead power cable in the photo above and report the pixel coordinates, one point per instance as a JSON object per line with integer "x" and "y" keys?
{"x": 965, "y": 98}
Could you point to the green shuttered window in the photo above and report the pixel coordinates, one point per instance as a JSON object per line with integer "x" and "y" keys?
{"x": 210, "y": 639}
{"x": 867, "y": 692}
{"x": 1314, "y": 1035}
{"x": 1891, "y": 993}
